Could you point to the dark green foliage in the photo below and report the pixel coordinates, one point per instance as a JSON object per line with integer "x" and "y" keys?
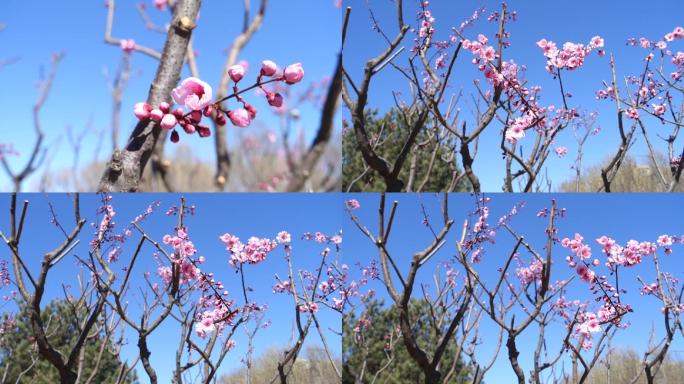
{"x": 17, "y": 349}
{"x": 391, "y": 131}
{"x": 402, "y": 369}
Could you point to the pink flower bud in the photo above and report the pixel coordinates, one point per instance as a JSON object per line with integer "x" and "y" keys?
{"x": 252, "y": 111}
{"x": 168, "y": 121}
{"x": 239, "y": 117}
{"x": 179, "y": 113}
{"x": 268, "y": 68}
{"x": 142, "y": 110}
{"x": 203, "y": 131}
{"x": 164, "y": 106}
{"x": 236, "y": 72}
{"x": 209, "y": 110}
{"x": 275, "y": 99}
{"x": 294, "y": 73}
{"x": 189, "y": 129}
{"x": 156, "y": 115}
{"x": 127, "y": 46}
{"x": 196, "y": 116}
{"x": 175, "y": 137}
{"x": 220, "y": 119}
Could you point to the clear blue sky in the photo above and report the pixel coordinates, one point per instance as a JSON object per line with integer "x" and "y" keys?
{"x": 306, "y": 31}
{"x": 575, "y": 21}
{"x": 621, "y": 216}
{"x": 243, "y": 215}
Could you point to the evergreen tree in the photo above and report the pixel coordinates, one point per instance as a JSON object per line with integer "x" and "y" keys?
{"x": 390, "y": 133}
{"x": 19, "y": 354}
{"x": 372, "y": 350}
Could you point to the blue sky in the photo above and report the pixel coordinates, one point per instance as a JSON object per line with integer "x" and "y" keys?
{"x": 620, "y": 216}
{"x": 575, "y": 21}
{"x": 305, "y": 31}
{"x": 243, "y": 215}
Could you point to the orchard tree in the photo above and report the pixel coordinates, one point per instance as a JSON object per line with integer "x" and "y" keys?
{"x": 515, "y": 296}
{"x": 180, "y": 294}
{"x": 520, "y": 123}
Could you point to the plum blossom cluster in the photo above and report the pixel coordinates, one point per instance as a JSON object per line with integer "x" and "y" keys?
{"x": 186, "y": 266}
{"x": 196, "y": 96}
{"x": 572, "y": 55}
{"x": 253, "y": 252}
{"x": 530, "y": 273}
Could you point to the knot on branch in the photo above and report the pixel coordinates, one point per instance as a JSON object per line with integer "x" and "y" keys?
{"x": 185, "y": 25}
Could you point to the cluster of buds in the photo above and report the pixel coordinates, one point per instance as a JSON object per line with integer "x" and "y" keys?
{"x": 196, "y": 95}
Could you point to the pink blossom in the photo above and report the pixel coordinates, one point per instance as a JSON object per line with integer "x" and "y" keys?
{"x": 127, "y": 46}
{"x": 658, "y": 109}
{"x": 353, "y": 204}
{"x": 632, "y": 113}
{"x": 142, "y": 110}
{"x": 284, "y": 237}
{"x": 561, "y": 151}
{"x": 585, "y": 273}
{"x": 236, "y": 72}
{"x": 268, "y": 68}
{"x": 160, "y": 4}
{"x": 239, "y": 117}
{"x": 293, "y": 73}
{"x": 168, "y": 121}
{"x": 193, "y": 93}
{"x": 596, "y": 42}
{"x": 664, "y": 240}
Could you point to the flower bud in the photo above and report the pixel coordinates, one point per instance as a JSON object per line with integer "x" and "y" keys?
{"x": 156, "y": 115}
{"x": 168, "y": 121}
{"x": 196, "y": 116}
{"x": 275, "y": 99}
{"x": 252, "y": 111}
{"x": 164, "y": 106}
{"x": 142, "y": 110}
{"x": 179, "y": 113}
{"x": 236, "y": 72}
{"x": 203, "y": 131}
{"x": 189, "y": 129}
{"x": 209, "y": 110}
{"x": 175, "y": 137}
{"x": 220, "y": 119}
{"x": 294, "y": 73}
{"x": 268, "y": 68}
{"x": 239, "y": 117}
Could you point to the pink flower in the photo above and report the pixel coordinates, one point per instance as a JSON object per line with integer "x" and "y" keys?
{"x": 353, "y": 204}
{"x": 664, "y": 240}
{"x": 284, "y": 237}
{"x": 632, "y": 113}
{"x": 268, "y": 68}
{"x": 293, "y": 73}
{"x": 168, "y": 121}
{"x": 236, "y": 72}
{"x": 193, "y": 93}
{"x": 160, "y": 4}
{"x": 142, "y": 110}
{"x": 128, "y": 46}
{"x": 561, "y": 151}
{"x": 658, "y": 109}
{"x": 515, "y": 133}
{"x": 239, "y": 117}
{"x": 585, "y": 273}
{"x": 596, "y": 42}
